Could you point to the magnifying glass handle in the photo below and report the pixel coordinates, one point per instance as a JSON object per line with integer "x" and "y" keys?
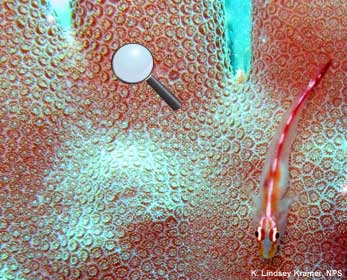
{"x": 164, "y": 93}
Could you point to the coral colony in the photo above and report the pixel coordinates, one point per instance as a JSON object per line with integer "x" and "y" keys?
{"x": 102, "y": 180}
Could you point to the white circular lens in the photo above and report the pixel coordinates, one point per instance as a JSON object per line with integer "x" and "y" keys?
{"x": 132, "y": 63}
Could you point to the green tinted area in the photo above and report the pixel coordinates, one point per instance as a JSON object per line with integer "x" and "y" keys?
{"x": 238, "y": 32}
{"x": 63, "y": 12}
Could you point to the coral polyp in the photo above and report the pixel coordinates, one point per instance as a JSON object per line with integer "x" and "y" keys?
{"x": 101, "y": 180}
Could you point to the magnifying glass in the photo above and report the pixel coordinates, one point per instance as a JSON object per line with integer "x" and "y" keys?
{"x": 133, "y": 63}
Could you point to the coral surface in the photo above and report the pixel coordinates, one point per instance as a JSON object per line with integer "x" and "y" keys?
{"x": 102, "y": 180}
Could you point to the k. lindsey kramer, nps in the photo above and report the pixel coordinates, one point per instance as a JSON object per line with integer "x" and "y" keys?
{"x": 295, "y": 273}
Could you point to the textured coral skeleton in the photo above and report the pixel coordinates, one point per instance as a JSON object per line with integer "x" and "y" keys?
{"x": 100, "y": 180}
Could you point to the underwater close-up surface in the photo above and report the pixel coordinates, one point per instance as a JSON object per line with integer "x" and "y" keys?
{"x": 100, "y": 179}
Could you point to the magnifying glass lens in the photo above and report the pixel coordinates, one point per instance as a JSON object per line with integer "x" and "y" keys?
{"x": 132, "y": 63}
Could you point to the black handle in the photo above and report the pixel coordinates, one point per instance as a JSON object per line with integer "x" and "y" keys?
{"x": 164, "y": 93}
